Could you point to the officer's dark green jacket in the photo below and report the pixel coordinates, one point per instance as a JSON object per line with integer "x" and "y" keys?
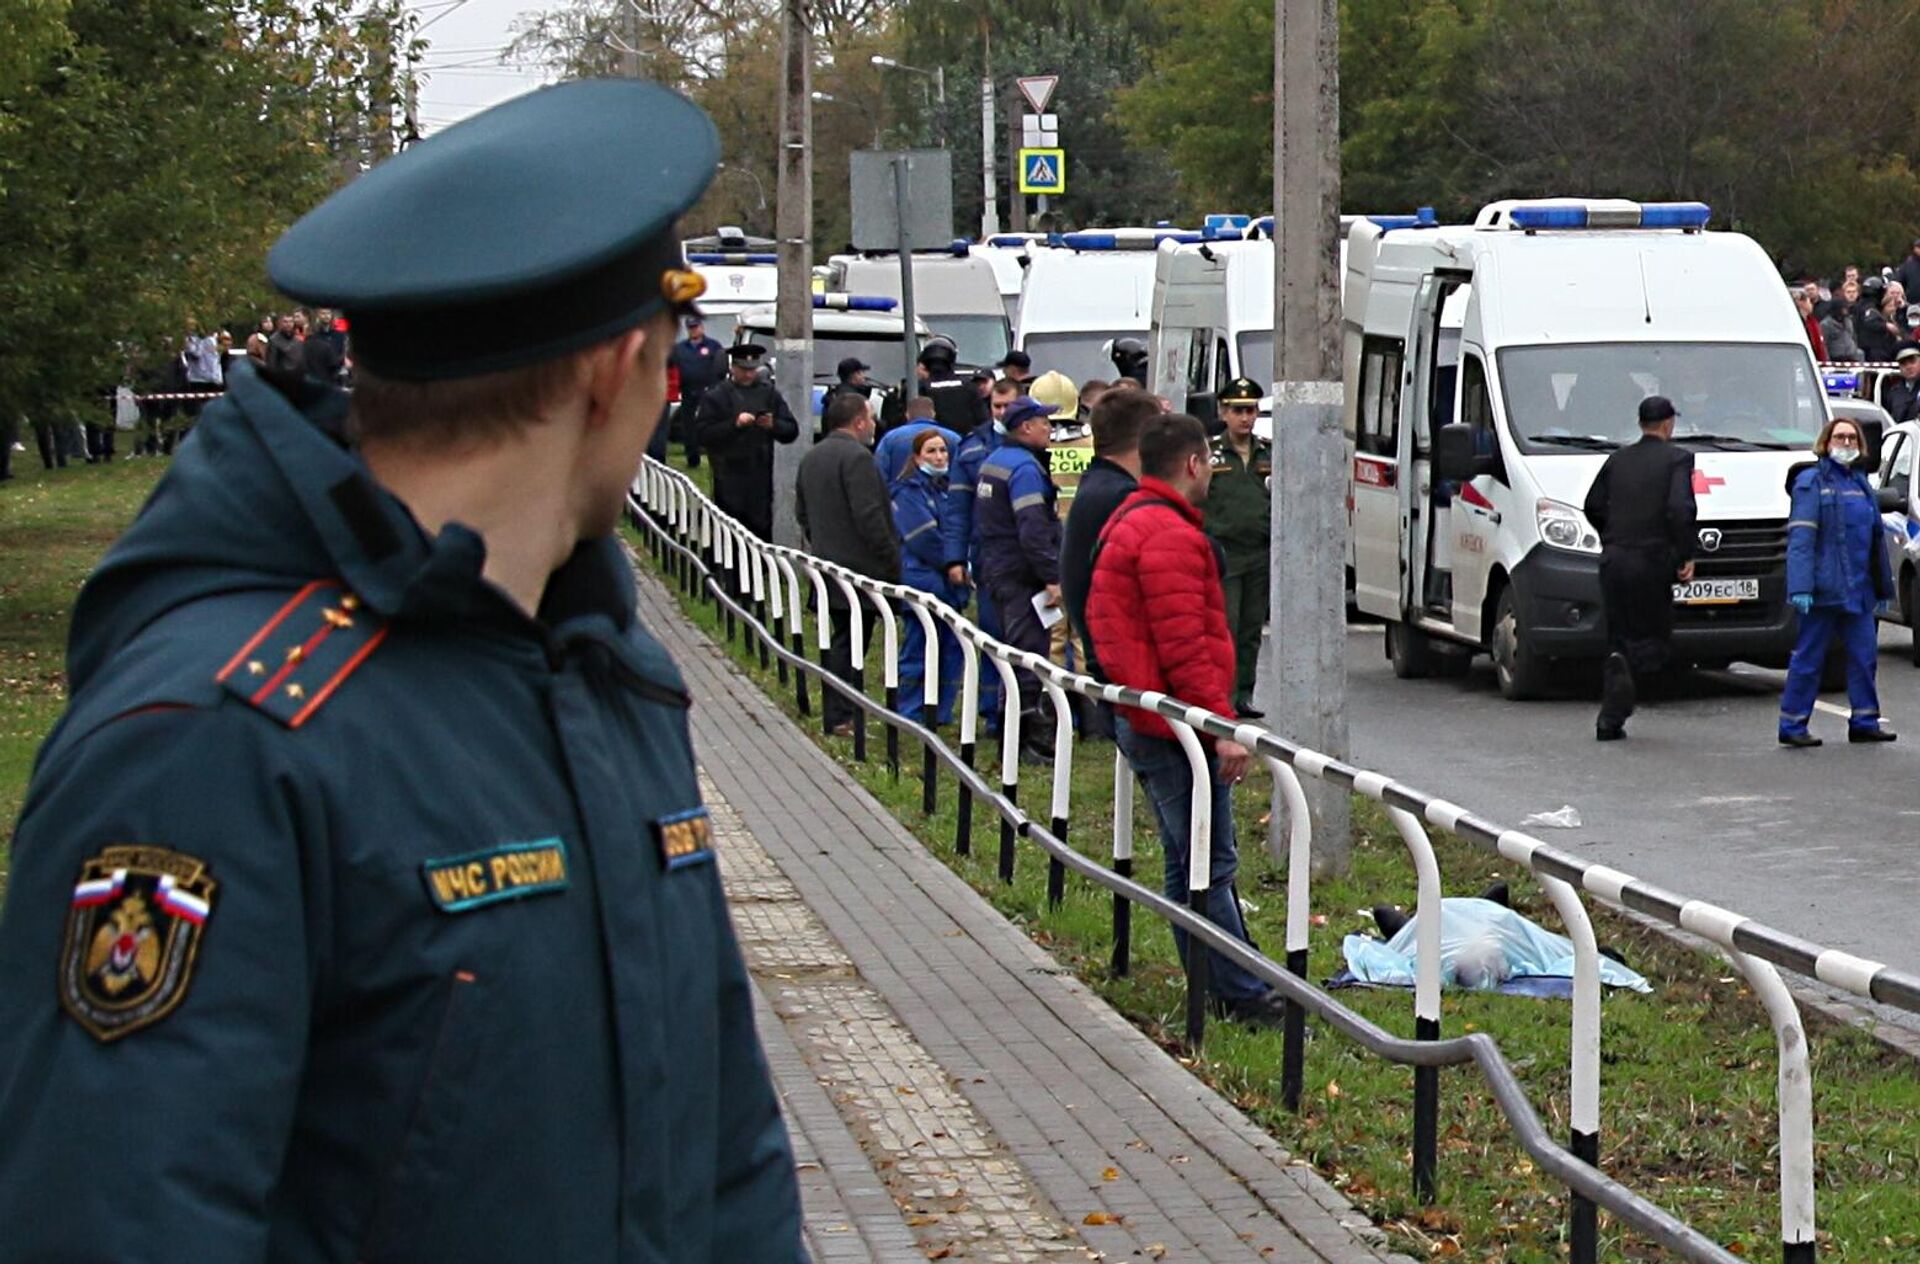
{"x": 407, "y": 947}
{"x": 1239, "y": 505}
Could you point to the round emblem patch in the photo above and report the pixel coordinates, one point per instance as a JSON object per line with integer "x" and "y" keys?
{"x": 133, "y": 931}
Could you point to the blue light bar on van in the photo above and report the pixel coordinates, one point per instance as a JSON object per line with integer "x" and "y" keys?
{"x": 1139, "y": 240}
{"x": 1007, "y": 242}
{"x": 960, "y": 247}
{"x": 1686, "y": 215}
{"x": 1838, "y": 382}
{"x": 855, "y": 302}
{"x": 1421, "y": 218}
{"x": 730, "y": 256}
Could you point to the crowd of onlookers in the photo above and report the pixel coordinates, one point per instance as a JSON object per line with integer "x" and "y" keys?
{"x": 154, "y": 404}
{"x": 1853, "y": 318}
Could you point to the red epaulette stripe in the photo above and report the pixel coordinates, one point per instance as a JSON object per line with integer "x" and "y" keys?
{"x": 298, "y": 600}
{"x": 286, "y": 669}
{"x": 352, "y": 665}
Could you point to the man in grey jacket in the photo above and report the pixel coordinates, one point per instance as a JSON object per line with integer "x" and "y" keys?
{"x": 847, "y": 517}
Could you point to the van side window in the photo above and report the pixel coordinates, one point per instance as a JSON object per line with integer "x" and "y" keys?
{"x": 1379, "y": 417}
{"x": 1476, "y": 411}
{"x": 1197, "y": 375}
{"x": 1899, "y": 464}
{"x": 1222, "y": 364}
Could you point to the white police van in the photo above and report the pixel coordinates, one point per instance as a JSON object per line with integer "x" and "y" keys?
{"x": 1899, "y": 481}
{"x": 954, "y": 291}
{"x": 741, "y": 272}
{"x": 1008, "y": 255}
{"x": 1488, "y": 371}
{"x": 868, "y": 327}
{"x": 1084, "y": 290}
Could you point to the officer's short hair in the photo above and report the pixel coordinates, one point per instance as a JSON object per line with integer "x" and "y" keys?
{"x": 1118, "y": 417}
{"x": 482, "y": 408}
{"x": 1167, "y": 440}
{"x": 846, "y": 408}
{"x": 919, "y": 408}
{"x": 1007, "y": 387}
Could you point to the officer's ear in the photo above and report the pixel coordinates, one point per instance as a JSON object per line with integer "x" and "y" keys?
{"x": 617, "y": 365}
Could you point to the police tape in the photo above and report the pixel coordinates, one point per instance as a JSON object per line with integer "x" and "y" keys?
{"x": 172, "y": 396}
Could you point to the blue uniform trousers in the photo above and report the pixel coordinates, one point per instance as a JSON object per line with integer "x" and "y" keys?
{"x": 987, "y": 616}
{"x": 913, "y": 673}
{"x": 1859, "y": 639}
{"x": 1162, "y": 767}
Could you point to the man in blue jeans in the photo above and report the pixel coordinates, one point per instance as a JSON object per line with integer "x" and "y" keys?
{"x": 1157, "y": 614}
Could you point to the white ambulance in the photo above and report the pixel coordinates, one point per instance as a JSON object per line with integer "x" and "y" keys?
{"x": 954, "y": 291}
{"x": 741, "y": 272}
{"x": 1489, "y": 370}
{"x": 1007, "y": 254}
{"x": 1083, "y": 290}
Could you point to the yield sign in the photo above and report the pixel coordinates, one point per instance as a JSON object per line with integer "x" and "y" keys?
{"x": 1038, "y": 90}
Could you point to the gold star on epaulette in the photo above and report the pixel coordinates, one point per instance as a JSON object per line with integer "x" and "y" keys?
{"x": 338, "y": 618}
{"x": 256, "y": 668}
{"x": 295, "y": 654}
{"x": 295, "y": 690}
{"x": 349, "y": 602}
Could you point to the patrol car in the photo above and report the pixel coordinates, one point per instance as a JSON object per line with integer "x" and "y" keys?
{"x": 741, "y": 272}
{"x": 954, "y": 291}
{"x": 867, "y": 326}
{"x": 1489, "y": 369}
{"x": 1083, "y": 290}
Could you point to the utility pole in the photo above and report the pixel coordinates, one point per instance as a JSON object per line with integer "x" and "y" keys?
{"x": 1306, "y": 680}
{"x": 793, "y": 313}
{"x": 989, "y": 205}
{"x": 630, "y": 51}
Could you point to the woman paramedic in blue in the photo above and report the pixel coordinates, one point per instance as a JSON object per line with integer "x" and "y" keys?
{"x": 920, "y": 513}
{"x": 1836, "y": 574}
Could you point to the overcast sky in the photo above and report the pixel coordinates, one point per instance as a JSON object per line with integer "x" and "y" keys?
{"x": 462, "y": 65}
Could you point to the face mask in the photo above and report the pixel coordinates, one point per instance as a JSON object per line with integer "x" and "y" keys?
{"x": 935, "y": 471}
{"x": 1843, "y": 456}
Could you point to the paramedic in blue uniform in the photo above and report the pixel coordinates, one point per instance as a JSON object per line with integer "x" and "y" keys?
{"x": 920, "y": 512}
{"x": 363, "y": 906}
{"x": 1836, "y": 574}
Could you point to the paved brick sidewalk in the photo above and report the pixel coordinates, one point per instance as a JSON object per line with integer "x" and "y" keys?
{"x": 947, "y": 1085}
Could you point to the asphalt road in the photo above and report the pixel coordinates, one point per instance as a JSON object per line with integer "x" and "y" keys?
{"x": 1699, "y": 798}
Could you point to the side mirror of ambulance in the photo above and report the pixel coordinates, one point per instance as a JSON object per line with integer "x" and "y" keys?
{"x": 1893, "y": 499}
{"x": 1455, "y": 460}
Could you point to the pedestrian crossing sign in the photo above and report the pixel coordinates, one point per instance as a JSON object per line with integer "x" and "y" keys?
{"x": 1043, "y": 171}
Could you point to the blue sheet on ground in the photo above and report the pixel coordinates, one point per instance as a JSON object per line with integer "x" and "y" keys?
{"x": 1483, "y": 946}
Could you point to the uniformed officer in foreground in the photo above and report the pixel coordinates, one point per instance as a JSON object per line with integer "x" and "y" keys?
{"x": 738, "y": 423}
{"x": 1239, "y": 517}
{"x": 363, "y": 906}
{"x": 1642, "y": 504}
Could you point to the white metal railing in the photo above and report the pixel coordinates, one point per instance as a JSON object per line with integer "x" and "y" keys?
{"x": 711, "y": 554}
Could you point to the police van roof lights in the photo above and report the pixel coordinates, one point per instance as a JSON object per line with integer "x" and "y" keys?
{"x": 1423, "y": 217}
{"x": 1535, "y": 217}
{"x": 855, "y": 302}
{"x": 1840, "y": 383}
{"x": 1010, "y": 241}
{"x": 731, "y": 256}
{"x": 1140, "y": 239}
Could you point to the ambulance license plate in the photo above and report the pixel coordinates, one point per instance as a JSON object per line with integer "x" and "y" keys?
{"x": 1716, "y": 592}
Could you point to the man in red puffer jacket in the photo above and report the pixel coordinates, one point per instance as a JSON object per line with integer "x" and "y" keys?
{"x": 1157, "y": 614}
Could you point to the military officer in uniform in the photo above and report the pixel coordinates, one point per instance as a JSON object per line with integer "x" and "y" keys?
{"x": 1239, "y": 513}
{"x": 363, "y": 906}
{"x": 738, "y": 423}
{"x": 1642, "y": 504}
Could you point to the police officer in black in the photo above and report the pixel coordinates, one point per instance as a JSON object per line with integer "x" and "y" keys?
{"x": 1901, "y": 397}
{"x": 1642, "y": 504}
{"x": 363, "y": 906}
{"x": 957, "y": 404}
{"x": 739, "y": 422}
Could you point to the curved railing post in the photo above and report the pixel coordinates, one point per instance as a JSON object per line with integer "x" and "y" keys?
{"x": 1426, "y": 986}
{"x": 1009, "y": 751}
{"x": 889, "y": 674}
{"x": 776, "y": 608}
{"x": 1796, "y": 1106}
{"x": 797, "y": 632}
{"x": 759, "y": 564}
{"x": 823, "y": 631}
{"x": 1299, "y": 821}
{"x": 1583, "y": 1227}
{"x": 856, "y": 661}
{"x": 1199, "y": 866}
{"x": 929, "y": 699}
{"x": 1062, "y": 777}
{"x": 969, "y": 733}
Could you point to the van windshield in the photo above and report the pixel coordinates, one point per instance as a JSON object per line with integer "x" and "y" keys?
{"x": 883, "y": 353}
{"x": 1732, "y": 396}
{"x": 1081, "y": 356}
{"x": 983, "y": 341}
{"x": 1256, "y": 357}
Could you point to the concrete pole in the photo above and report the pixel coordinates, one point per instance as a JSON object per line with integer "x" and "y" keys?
{"x": 1016, "y": 200}
{"x": 1305, "y": 685}
{"x": 989, "y": 204}
{"x": 793, "y": 313}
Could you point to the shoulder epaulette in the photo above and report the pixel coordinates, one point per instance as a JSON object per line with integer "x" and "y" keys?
{"x": 300, "y": 656}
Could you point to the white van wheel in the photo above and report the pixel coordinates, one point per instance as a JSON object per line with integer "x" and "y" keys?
{"x": 1522, "y": 674}
{"x": 1409, "y": 650}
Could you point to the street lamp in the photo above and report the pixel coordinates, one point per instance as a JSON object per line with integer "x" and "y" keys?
{"x": 759, "y": 189}
{"x": 939, "y": 76}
